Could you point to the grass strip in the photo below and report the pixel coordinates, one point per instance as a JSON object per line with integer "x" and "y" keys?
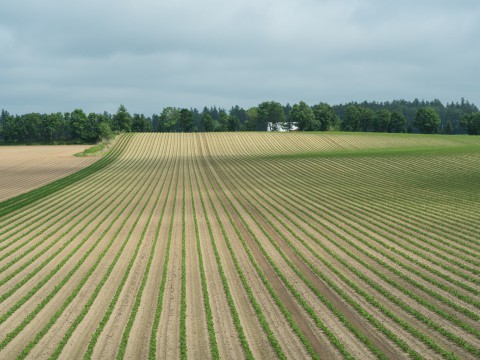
{"x": 58, "y": 313}
{"x": 20, "y": 201}
{"x": 92, "y": 298}
{"x": 50, "y": 258}
{"x": 91, "y": 345}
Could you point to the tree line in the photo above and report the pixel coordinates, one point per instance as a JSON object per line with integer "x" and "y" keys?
{"x": 397, "y": 116}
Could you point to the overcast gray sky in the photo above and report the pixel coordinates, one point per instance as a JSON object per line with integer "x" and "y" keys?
{"x": 58, "y": 55}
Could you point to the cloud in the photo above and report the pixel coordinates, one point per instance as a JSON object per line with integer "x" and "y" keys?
{"x": 58, "y": 55}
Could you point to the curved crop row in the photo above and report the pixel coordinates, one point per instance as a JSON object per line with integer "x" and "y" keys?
{"x": 236, "y": 245}
{"x": 447, "y": 334}
{"x": 20, "y": 201}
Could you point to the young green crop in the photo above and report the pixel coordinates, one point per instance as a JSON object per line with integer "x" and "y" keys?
{"x": 368, "y": 254}
{"x": 136, "y": 306}
{"x": 151, "y": 184}
{"x": 51, "y": 257}
{"x": 226, "y": 287}
{"x": 448, "y": 335}
{"x": 426, "y": 340}
{"x": 72, "y": 295}
{"x": 277, "y": 300}
{"x": 183, "y": 297}
{"x": 331, "y": 213}
{"x": 337, "y": 313}
{"x": 289, "y": 286}
{"x": 206, "y": 300}
{"x": 91, "y": 300}
{"x": 161, "y": 291}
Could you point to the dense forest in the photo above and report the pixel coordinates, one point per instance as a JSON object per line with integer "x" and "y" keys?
{"x": 396, "y": 116}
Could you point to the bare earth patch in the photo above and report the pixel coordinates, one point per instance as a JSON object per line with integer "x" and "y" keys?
{"x": 24, "y": 168}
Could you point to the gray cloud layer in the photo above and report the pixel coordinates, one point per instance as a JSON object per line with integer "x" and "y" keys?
{"x": 58, "y": 55}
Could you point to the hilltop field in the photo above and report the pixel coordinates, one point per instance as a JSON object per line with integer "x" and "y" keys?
{"x": 244, "y": 245}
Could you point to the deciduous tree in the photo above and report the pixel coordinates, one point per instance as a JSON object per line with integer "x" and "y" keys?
{"x": 141, "y": 124}
{"x": 186, "y": 120}
{"x": 325, "y": 117}
{"x": 427, "y": 120}
{"x": 207, "y": 122}
{"x": 252, "y": 118}
{"x": 52, "y": 127}
{"x": 122, "y": 120}
{"x": 303, "y": 116}
{"x": 169, "y": 119}
{"x": 382, "y": 121}
{"x": 78, "y": 125}
{"x": 270, "y": 112}
{"x": 398, "y": 121}
{"x": 471, "y": 123}
{"x": 233, "y": 123}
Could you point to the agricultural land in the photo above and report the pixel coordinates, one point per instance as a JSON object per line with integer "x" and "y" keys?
{"x": 243, "y": 245}
{"x": 24, "y": 168}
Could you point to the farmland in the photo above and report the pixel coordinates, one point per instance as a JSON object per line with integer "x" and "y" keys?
{"x": 249, "y": 245}
{"x": 24, "y": 168}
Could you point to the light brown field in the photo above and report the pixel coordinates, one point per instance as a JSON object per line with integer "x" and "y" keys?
{"x": 24, "y": 168}
{"x": 307, "y": 251}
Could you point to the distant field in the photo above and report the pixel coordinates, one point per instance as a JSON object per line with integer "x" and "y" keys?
{"x": 250, "y": 245}
{"x": 24, "y": 168}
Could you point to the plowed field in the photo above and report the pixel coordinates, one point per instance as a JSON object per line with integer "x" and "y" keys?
{"x": 24, "y": 168}
{"x": 249, "y": 245}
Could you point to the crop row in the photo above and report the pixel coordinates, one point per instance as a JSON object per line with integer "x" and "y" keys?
{"x": 325, "y": 200}
{"x": 20, "y": 201}
{"x": 243, "y": 172}
{"x": 58, "y": 287}
{"x": 296, "y": 255}
{"x": 72, "y": 238}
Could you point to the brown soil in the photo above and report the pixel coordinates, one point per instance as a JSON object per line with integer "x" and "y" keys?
{"x": 24, "y": 168}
